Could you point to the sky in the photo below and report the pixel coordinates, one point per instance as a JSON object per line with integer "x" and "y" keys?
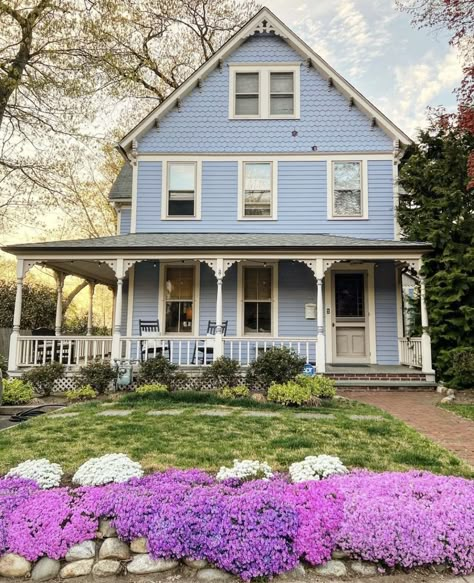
{"x": 401, "y": 69}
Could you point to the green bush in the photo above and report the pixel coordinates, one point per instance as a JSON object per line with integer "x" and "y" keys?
{"x": 3, "y": 366}
{"x": 290, "y": 393}
{"x": 462, "y": 366}
{"x": 277, "y": 365}
{"x": 159, "y": 370}
{"x": 223, "y": 372}
{"x": 16, "y": 392}
{"x": 84, "y": 393}
{"x": 238, "y": 392}
{"x": 155, "y": 388}
{"x": 97, "y": 374}
{"x": 42, "y": 378}
{"x": 320, "y": 386}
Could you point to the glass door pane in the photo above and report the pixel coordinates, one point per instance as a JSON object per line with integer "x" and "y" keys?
{"x": 349, "y": 295}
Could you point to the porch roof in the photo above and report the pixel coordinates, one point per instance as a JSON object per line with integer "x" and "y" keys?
{"x": 219, "y": 241}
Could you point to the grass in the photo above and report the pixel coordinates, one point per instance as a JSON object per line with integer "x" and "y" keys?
{"x": 195, "y": 440}
{"x": 463, "y": 410}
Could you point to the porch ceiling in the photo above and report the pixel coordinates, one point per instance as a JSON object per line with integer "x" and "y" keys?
{"x": 89, "y": 270}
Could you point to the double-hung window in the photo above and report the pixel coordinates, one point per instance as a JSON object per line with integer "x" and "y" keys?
{"x": 348, "y": 190}
{"x": 179, "y": 294}
{"x": 257, "y": 299}
{"x": 257, "y": 193}
{"x": 247, "y": 94}
{"x": 282, "y": 94}
{"x": 181, "y": 191}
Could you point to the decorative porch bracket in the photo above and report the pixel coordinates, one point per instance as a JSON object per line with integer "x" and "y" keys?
{"x": 319, "y": 268}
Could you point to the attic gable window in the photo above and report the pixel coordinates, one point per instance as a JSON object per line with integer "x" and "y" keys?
{"x": 264, "y": 91}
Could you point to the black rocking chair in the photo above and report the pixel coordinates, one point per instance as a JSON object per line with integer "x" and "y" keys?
{"x": 207, "y": 349}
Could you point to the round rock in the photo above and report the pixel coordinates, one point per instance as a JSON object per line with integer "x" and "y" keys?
{"x": 144, "y": 564}
{"x": 297, "y": 572}
{"x": 139, "y": 545}
{"x": 106, "y": 568}
{"x": 363, "y": 568}
{"x": 45, "y": 569}
{"x": 105, "y": 528}
{"x": 85, "y": 550}
{"x": 212, "y": 575}
{"x": 77, "y": 569}
{"x": 113, "y": 548}
{"x": 332, "y": 569}
{"x": 195, "y": 563}
{"x": 12, "y": 565}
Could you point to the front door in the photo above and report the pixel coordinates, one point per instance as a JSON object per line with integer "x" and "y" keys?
{"x": 349, "y": 317}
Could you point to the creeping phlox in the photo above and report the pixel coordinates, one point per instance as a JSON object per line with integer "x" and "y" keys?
{"x": 316, "y": 468}
{"x": 245, "y": 470}
{"x": 112, "y": 467}
{"x": 45, "y": 473}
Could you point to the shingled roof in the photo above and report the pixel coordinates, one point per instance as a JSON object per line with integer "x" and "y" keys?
{"x": 122, "y": 187}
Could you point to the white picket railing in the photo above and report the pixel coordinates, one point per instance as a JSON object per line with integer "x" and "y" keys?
{"x": 245, "y": 349}
{"x": 72, "y": 351}
{"x": 410, "y": 351}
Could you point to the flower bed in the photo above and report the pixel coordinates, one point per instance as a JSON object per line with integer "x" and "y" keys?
{"x": 393, "y": 519}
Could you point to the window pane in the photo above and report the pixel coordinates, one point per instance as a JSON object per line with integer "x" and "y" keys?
{"x": 179, "y": 283}
{"x": 246, "y": 83}
{"x": 181, "y": 208}
{"x": 347, "y": 189}
{"x": 264, "y": 317}
{"x": 258, "y": 283}
{"x": 250, "y": 317}
{"x": 258, "y": 176}
{"x": 246, "y": 105}
{"x": 281, "y": 83}
{"x": 281, "y": 104}
{"x": 181, "y": 186}
{"x": 349, "y": 295}
{"x": 179, "y": 316}
{"x": 257, "y": 318}
{"x": 181, "y": 176}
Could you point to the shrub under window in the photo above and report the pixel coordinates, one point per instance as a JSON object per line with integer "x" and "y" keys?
{"x": 277, "y": 365}
{"x": 97, "y": 374}
{"x": 42, "y": 378}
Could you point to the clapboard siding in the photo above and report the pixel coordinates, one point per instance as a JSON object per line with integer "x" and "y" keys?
{"x": 296, "y": 287}
{"x": 149, "y": 197}
{"x": 145, "y": 297}
{"x": 386, "y": 314}
{"x": 125, "y": 220}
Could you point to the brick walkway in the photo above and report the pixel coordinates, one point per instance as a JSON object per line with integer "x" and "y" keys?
{"x": 420, "y": 411}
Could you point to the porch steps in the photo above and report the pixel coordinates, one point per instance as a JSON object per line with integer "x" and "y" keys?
{"x": 386, "y": 385}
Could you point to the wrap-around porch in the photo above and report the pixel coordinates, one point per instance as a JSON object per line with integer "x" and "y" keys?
{"x": 336, "y": 308}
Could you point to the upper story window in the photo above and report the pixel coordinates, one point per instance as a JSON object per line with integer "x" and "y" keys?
{"x": 181, "y": 190}
{"x": 257, "y": 191}
{"x": 348, "y": 190}
{"x": 264, "y": 91}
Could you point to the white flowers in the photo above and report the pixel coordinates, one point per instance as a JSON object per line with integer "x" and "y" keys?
{"x": 42, "y": 471}
{"x": 113, "y": 467}
{"x": 245, "y": 470}
{"x": 316, "y": 467}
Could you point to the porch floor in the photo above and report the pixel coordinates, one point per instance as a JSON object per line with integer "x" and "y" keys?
{"x": 371, "y": 369}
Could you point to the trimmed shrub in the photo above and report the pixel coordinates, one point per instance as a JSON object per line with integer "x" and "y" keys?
{"x": 159, "y": 370}
{"x": 463, "y": 368}
{"x": 156, "y": 388}
{"x": 276, "y": 365}
{"x": 245, "y": 470}
{"x": 16, "y": 392}
{"x": 42, "y": 471}
{"x": 42, "y": 378}
{"x": 289, "y": 394}
{"x": 223, "y": 372}
{"x": 320, "y": 386}
{"x": 238, "y": 392}
{"x": 112, "y": 467}
{"x": 314, "y": 468}
{"x": 97, "y": 374}
{"x": 84, "y": 393}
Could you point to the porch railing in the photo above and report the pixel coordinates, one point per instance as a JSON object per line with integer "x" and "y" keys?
{"x": 245, "y": 350}
{"x": 195, "y": 350}
{"x": 71, "y": 351}
{"x": 410, "y": 351}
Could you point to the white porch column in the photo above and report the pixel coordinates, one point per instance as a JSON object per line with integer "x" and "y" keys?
{"x": 118, "y": 310}
{"x": 90, "y": 314}
{"x": 59, "y": 303}
{"x": 321, "y": 346}
{"x": 219, "y": 337}
{"x": 426, "y": 364}
{"x": 12, "y": 355}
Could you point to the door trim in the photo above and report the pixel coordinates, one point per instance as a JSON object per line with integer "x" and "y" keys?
{"x": 367, "y": 268}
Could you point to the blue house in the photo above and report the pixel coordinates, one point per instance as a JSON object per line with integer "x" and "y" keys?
{"x": 257, "y": 208}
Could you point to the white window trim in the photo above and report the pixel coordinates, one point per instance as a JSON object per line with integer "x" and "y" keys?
{"x": 240, "y": 298}
{"x": 264, "y": 70}
{"x": 364, "y": 191}
{"x": 162, "y": 298}
{"x": 197, "y": 190}
{"x": 274, "y": 191}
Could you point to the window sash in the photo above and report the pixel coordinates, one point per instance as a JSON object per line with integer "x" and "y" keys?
{"x": 258, "y": 190}
{"x": 347, "y": 198}
{"x": 257, "y": 300}
{"x": 247, "y": 96}
{"x": 181, "y": 190}
{"x": 278, "y": 96}
{"x": 179, "y": 299}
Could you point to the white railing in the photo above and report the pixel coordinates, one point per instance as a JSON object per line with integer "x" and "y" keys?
{"x": 410, "y": 351}
{"x": 245, "y": 350}
{"x": 72, "y": 351}
{"x": 195, "y": 350}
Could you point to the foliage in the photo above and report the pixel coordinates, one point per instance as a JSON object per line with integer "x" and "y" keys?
{"x": 462, "y": 367}
{"x": 438, "y": 206}
{"x": 462, "y": 409}
{"x": 38, "y": 306}
{"x": 113, "y": 467}
{"x": 159, "y": 370}
{"x": 76, "y": 324}
{"x": 316, "y": 468}
{"x": 276, "y": 365}
{"x": 223, "y": 372}
{"x": 290, "y": 393}
{"x": 245, "y": 470}
{"x": 42, "y": 471}
{"x": 16, "y": 392}
{"x": 97, "y": 374}
{"x": 3, "y": 366}
{"x": 320, "y": 386}
{"x": 155, "y": 388}
{"x": 13, "y": 493}
{"x": 238, "y": 392}
{"x": 84, "y": 393}
{"x": 42, "y": 378}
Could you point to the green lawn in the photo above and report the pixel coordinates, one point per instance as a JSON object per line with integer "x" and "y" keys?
{"x": 463, "y": 410}
{"x": 194, "y": 440}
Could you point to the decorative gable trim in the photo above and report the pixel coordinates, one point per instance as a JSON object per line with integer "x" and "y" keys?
{"x": 265, "y": 22}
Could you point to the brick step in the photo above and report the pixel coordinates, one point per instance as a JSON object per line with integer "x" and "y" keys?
{"x": 391, "y": 385}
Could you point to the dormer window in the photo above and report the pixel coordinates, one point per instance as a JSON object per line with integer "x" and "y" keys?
{"x": 266, "y": 91}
